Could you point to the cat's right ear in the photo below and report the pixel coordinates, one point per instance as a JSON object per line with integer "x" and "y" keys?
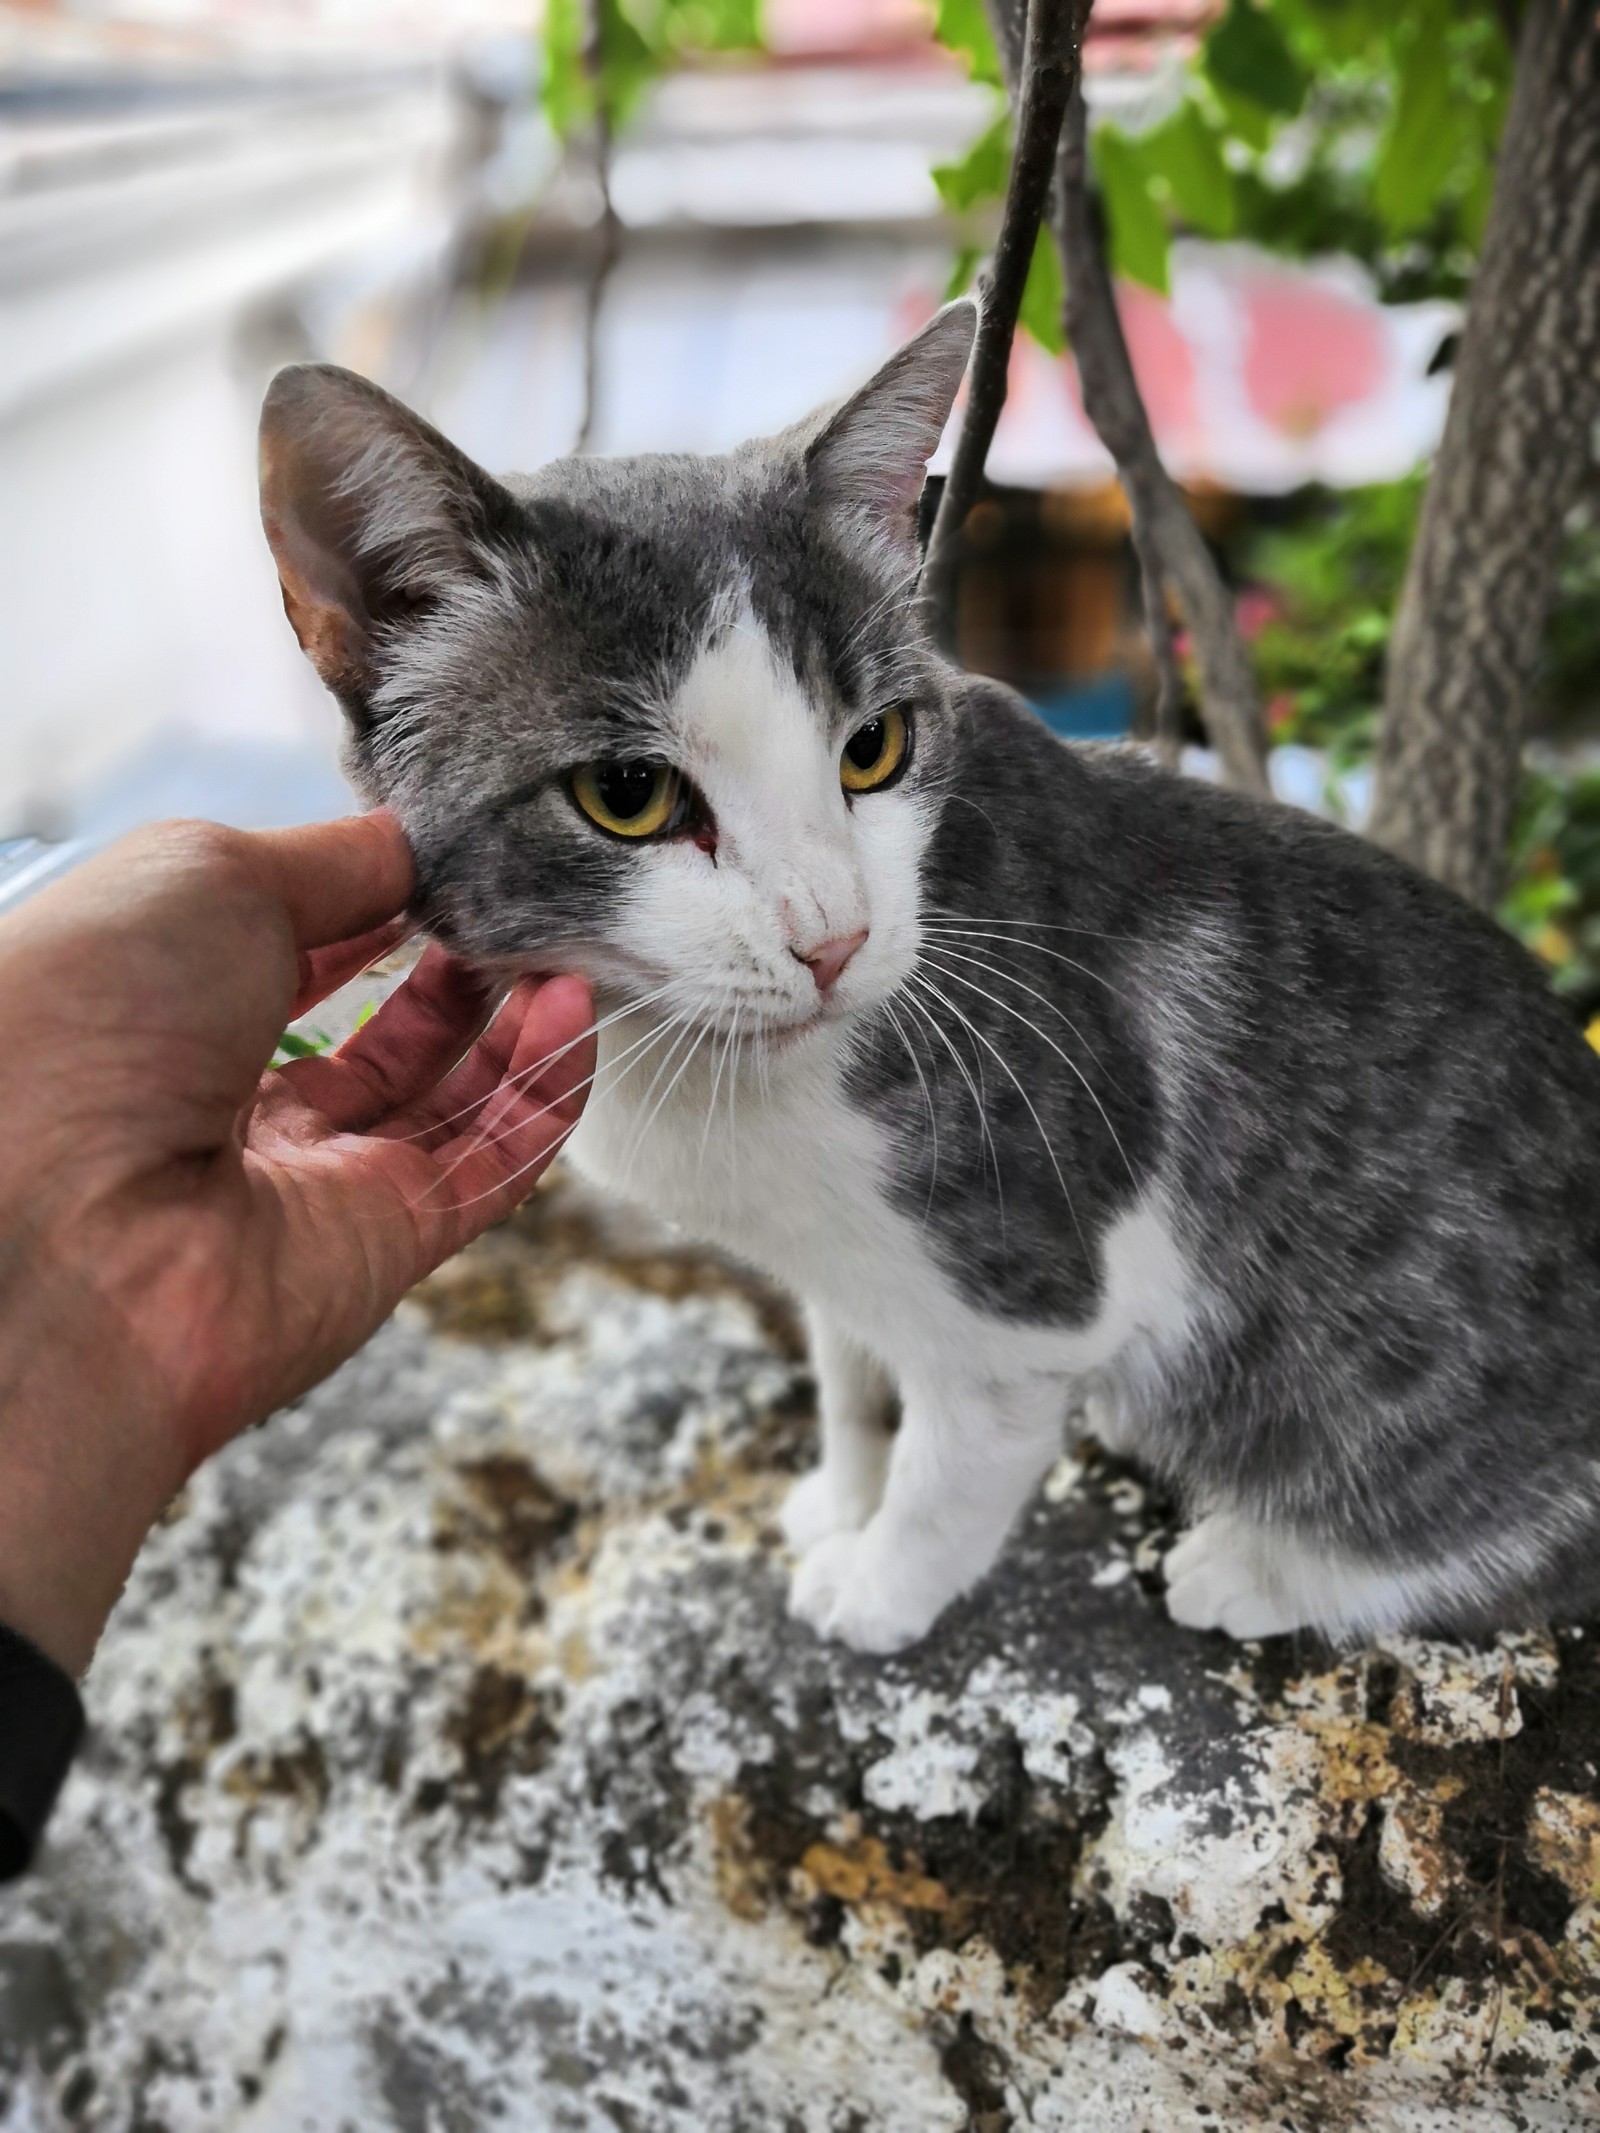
{"x": 372, "y": 516}
{"x": 869, "y": 460}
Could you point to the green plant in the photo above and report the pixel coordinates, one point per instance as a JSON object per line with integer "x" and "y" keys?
{"x": 1324, "y": 591}
{"x": 292, "y": 1045}
{"x": 601, "y": 55}
{"x": 311, "y": 1044}
{"x": 1324, "y": 125}
{"x": 1553, "y": 901}
{"x": 1311, "y": 126}
{"x": 1327, "y": 587}
{"x": 977, "y": 180}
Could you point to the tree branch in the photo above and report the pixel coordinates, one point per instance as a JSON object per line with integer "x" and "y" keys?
{"x": 608, "y": 231}
{"x": 1163, "y": 649}
{"x": 1049, "y": 70}
{"x": 1170, "y": 547}
{"x": 1171, "y": 551}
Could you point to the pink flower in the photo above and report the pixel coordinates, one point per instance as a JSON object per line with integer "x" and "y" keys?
{"x": 1253, "y": 610}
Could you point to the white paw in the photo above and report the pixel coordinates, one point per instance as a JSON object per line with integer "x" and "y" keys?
{"x": 816, "y": 1507}
{"x": 848, "y": 1587}
{"x": 1215, "y": 1581}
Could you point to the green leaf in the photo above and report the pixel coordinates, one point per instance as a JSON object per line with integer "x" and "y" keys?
{"x": 712, "y": 25}
{"x": 366, "y": 1014}
{"x": 1334, "y": 31}
{"x": 1420, "y": 151}
{"x": 566, "y": 94}
{"x": 1138, "y": 227}
{"x": 981, "y": 173}
{"x": 1043, "y": 296}
{"x": 1244, "y": 119}
{"x": 629, "y": 61}
{"x": 1248, "y": 54}
{"x": 297, "y": 1047}
{"x": 1186, "y": 154}
{"x": 961, "y": 26}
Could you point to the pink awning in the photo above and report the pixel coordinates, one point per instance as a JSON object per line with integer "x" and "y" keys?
{"x": 1258, "y": 375}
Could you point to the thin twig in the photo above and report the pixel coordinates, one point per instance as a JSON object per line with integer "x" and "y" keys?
{"x": 1169, "y": 545}
{"x": 1163, "y": 649}
{"x": 608, "y": 237}
{"x": 1050, "y": 67}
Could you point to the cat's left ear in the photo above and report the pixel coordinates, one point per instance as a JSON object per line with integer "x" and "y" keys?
{"x": 870, "y": 459}
{"x": 373, "y": 517}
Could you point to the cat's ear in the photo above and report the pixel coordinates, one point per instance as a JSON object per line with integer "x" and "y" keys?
{"x": 869, "y": 460}
{"x": 372, "y": 517}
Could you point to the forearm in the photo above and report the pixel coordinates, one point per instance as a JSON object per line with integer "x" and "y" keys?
{"x": 87, "y": 1458}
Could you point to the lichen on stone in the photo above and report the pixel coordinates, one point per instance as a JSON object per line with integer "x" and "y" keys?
{"x": 455, "y": 1763}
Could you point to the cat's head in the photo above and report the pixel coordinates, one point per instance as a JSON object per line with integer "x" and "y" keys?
{"x": 674, "y": 723}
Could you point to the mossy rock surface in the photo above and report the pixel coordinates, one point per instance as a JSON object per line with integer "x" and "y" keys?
{"x": 455, "y": 1765}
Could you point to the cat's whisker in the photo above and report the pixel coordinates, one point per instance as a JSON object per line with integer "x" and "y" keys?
{"x": 733, "y": 1087}
{"x": 1043, "y": 1036}
{"x": 681, "y": 1024}
{"x": 537, "y": 1067}
{"x": 936, "y": 915}
{"x": 535, "y": 1163}
{"x": 998, "y": 967}
{"x": 696, "y": 1034}
{"x": 1012, "y": 940}
{"x": 922, "y": 1010}
{"x": 716, "y": 1079}
{"x": 591, "y": 1082}
{"x": 1005, "y": 1065}
{"x": 927, "y": 1098}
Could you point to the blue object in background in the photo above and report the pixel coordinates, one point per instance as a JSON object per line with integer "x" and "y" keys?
{"x": 249, "y": 784}
{"x": 1098, "y": 710}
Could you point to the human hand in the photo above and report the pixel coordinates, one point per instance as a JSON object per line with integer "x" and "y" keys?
{"x": 187, "y": 1241}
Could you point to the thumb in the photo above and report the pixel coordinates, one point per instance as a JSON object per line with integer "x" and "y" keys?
{"x": 337, "y": 879}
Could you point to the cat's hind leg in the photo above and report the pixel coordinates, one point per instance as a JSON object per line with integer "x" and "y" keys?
{"x": 1231, "y": 1573}
{"x": 966, "y": 1458}
{"x": 856, "y": 1400}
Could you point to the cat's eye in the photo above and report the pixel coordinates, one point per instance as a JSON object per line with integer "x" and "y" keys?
{"x": 875, "y": 752}
{"x": 628, "y": 799}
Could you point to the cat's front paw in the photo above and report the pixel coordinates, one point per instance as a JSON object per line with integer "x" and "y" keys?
{"x": 815, "y": 1508}
{"x": 849, "y": 1587}
{"x": 1214, "y": 1581}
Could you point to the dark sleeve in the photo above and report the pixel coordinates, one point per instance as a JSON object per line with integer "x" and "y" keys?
{"x": 41, "y": 1724}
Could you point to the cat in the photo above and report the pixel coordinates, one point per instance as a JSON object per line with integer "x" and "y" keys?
{"x": 1052, "y": 1082}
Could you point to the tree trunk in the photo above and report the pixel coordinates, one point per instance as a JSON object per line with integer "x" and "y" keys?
{"x": 1523, "y": 408}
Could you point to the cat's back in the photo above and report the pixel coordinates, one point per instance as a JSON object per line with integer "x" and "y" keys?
{"x": 1311, "y": 934}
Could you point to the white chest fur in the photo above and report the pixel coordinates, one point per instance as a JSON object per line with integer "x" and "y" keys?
{"x": 774, "y": 1164}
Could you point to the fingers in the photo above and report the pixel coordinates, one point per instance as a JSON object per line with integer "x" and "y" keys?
{"x": 324, "y": 970}
{"x": 338, "y": 879}
{"x": 486, "y": 1170}
{"x": 413, "y": 1040}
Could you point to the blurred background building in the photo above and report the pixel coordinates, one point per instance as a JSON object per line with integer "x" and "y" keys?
{"x": 195, "y": 191}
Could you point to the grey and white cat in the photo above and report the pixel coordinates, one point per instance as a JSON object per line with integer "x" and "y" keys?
{"x": 1049, "y": 1081}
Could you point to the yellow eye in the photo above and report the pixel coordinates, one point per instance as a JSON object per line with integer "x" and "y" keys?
{"x": 628, "y": 799}
{"x": 874, "y": 752}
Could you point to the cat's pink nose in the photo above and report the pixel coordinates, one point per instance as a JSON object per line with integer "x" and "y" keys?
{"x": 827, "y": 960}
